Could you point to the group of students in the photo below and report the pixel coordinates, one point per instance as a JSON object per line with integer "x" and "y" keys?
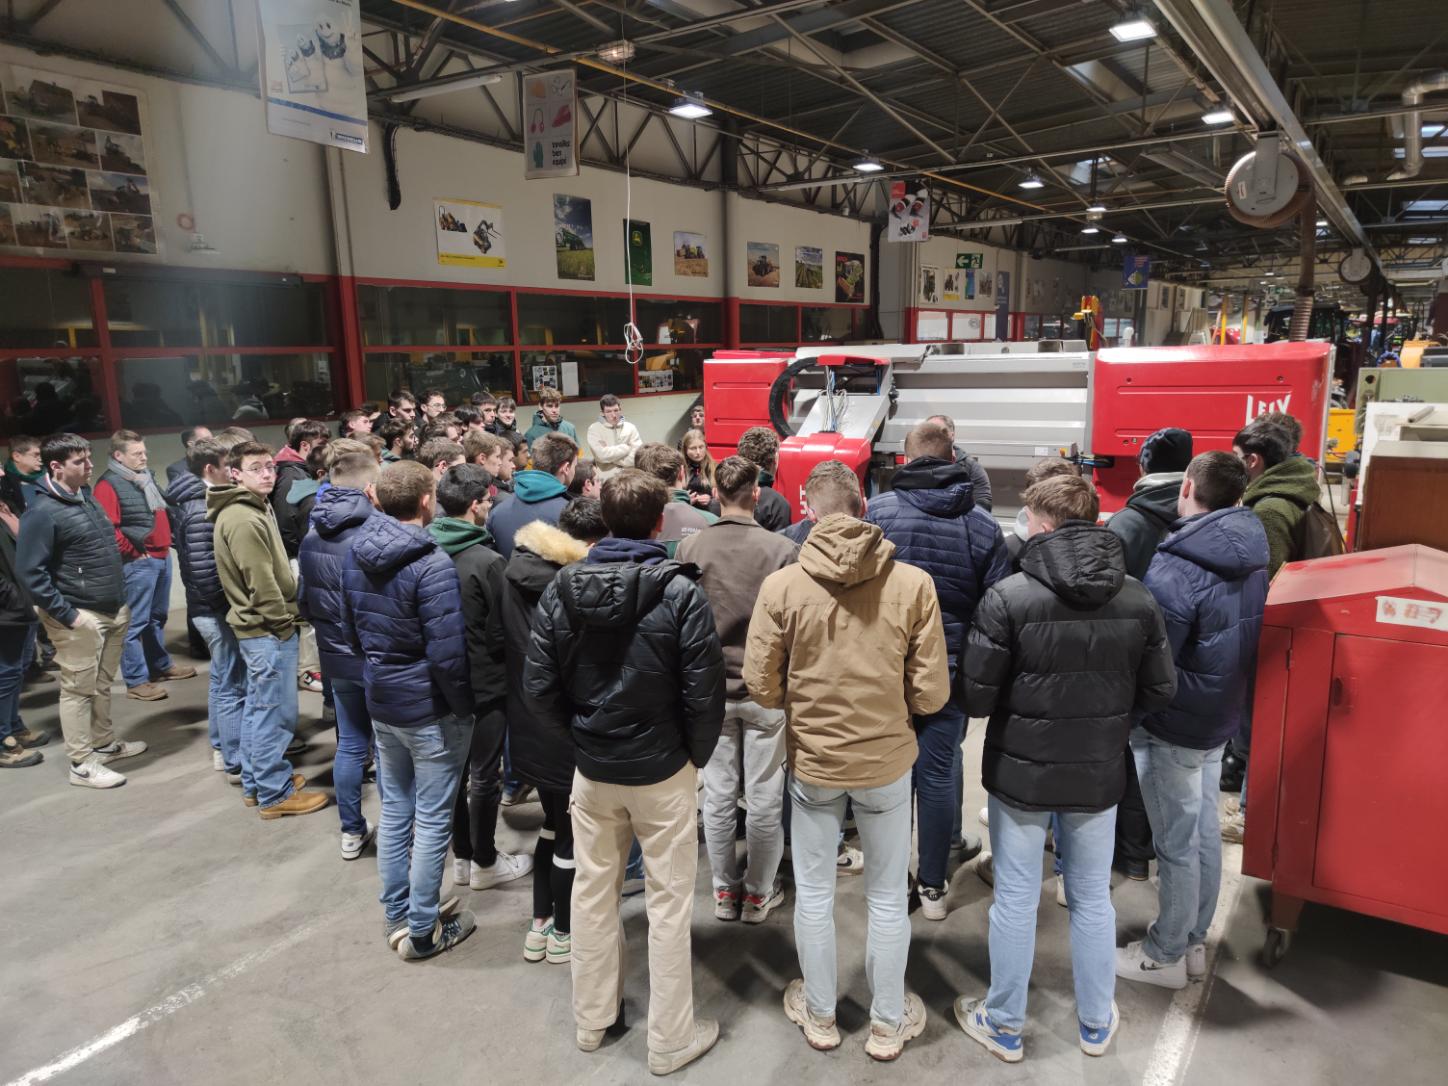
{"x": 640, "y": 658}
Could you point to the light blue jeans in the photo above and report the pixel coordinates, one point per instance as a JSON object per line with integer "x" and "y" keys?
{"x": 354, "y": 743}
{"x": 1017, "y": 838}
{"x": 883, "y": 818}
{"x": 226, "y": 692}
{"x": 269, "y": 719}
{"x": 1179, "y": 786}
{"x": 148, "y": 595}
{"x": 417, "y": 773}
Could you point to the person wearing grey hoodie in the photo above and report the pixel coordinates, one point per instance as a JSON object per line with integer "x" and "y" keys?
{"x": 1152, "y": 507}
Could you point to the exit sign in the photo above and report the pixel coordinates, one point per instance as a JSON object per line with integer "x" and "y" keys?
{"x": 970, "y": 260}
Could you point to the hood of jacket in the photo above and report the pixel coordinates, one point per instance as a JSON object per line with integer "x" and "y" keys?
{"x": 614, "y": 589}
{"x": 1155, "y": 496}
{"x": 454, "y": 535}
{"x": 1229, "y": 542}
{"x": 1295, "y": 479}
{"x": 612, "y": 549}
{"x": 550, "y": 543}
{"x": 941, "y": 488}
{"x": 540, "y": 420}
{"x": 1079, "y": 562}
{"x": 339, "y": 508}
{"x": 845, "y": 551}
{"x": 185, "y": 488}
{"x": 536, "y": 486}
{"x": 288, "y": 455}
{"x": 220, "y": 497}
{"x": 302, "y": 489}
{"x": 386, "y": 544}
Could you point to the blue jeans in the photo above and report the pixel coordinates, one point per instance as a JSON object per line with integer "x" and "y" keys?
{"x": 1180, "y": 786}
{"x": 883, "y": 817}
{"x": 269, "y": 719}
{"x": 354, "y": 743}
{"x": 226, "y": 694}
{"x": 148, "y": 595}
{"x": 417, "y": 771}
{"x": 15, "y": 642}
{"x": 938, "y": 735}
{"x": 1017, "y": 838}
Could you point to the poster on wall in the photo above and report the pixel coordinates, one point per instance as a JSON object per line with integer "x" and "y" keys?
{"x": 984, "y": 287}
{"x": 950, "y": 292}
{"x": 543, "y": 376}
{"x": 969, "y": 288}
{"x": 762, "y": 262}
{"x": 929, "y": 284}
{"x": 311, "y": 71}
{"x": 469, "y": 233}
{"x": 550, "y": 108}
{"x": 573, "y": 236}
{"x": 909, "y": 214}
{"x": 849, "y": 277}
{"x": 1135, "y": 271}
{"x": 73, "y": 171}
{"x": 639, "y": 263}
{"x": 691, "y": 256}
{"x": 809, "y": 267}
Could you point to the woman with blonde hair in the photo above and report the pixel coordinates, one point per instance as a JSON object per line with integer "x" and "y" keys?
{"x": 699, "y": 467}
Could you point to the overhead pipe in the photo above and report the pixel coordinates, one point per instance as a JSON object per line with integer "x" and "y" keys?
{"x": 1302, "y": 306}
{"x": 1413, "y": 96}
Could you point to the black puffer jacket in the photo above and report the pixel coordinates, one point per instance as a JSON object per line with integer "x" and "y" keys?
{"x": 1060, "y": 657}
{"x": 624, "y": 652}
{"x": 67, "y": 555}
{"x": 191, "y": 535}
{"x": 15, "y": 606}
{"x": 1149, "y": 514}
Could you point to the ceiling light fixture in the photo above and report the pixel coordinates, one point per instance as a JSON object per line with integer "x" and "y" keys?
{"x": 616, "y": 52}
{"x": 1321, "y": 223}
{"x": 1133, "y": 27}
{"x": 1031, "y": 181}
{"x": 412, "y": 94}
{"x": 1096, "y": 207}
{"x": 690, "y": 107}
{"x": 1119, "y": 239}
{"x": 1090, "y": 230}
{"x": 1218, "y": 116}
{"x": 866, "y": 164}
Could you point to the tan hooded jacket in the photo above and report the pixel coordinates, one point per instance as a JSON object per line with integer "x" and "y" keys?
{"x": 849, "y": 642}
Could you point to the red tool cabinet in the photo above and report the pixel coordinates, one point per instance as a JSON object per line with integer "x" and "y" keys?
{"x": 1347, "y": 788}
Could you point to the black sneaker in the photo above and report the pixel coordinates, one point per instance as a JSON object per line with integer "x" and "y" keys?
{"x": 446, "y": 934}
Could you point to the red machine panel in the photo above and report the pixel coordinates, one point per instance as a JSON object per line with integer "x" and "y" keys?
{"x": 736, "y": 395}
{"x": 1348, "y": 740}
{"x": 1211, "y": 391}
{"x": 798, "y": 456}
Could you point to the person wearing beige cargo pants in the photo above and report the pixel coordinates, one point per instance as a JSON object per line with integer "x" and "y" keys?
{"x": 89, "y": 656}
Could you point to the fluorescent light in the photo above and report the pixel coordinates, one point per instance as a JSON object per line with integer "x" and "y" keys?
{"x": 866, "y": 165}
{"x": 1218, "y": 116}
{"x": 1096, "y": 208}
{"x": 1090, "y": 230}
{"x": 1133, "y": 28}
{"x": 1031, "y": 181}
{"x": 1119, "y": 239}
{"x": 1321, "y": 223}
{"x": 412, "y": 94}
{"x": 689, "y": 108}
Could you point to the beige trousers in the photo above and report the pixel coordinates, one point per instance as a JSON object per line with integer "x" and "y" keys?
{"x": 88, "y": 665}
{"x": 606, "y": 818}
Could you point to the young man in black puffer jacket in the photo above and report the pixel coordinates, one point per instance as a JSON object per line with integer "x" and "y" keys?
{"x": 624, "y": 655}
{"x": 1060, "y": 658}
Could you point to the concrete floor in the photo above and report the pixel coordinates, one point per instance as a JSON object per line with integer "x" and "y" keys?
{"x": 162, "y": 933}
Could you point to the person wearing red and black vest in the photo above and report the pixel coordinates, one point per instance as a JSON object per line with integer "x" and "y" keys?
{"x": 136, "y": 507}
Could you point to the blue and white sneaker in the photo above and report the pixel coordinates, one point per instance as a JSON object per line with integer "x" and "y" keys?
{"x": 970, "y": 1013}
{"x": 1094, "y": 1042}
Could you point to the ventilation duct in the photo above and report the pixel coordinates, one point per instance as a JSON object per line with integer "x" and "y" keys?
{"x": 1413, "y": 96}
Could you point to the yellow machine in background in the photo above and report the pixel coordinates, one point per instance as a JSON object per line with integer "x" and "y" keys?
{"x": 1341, "y": 434}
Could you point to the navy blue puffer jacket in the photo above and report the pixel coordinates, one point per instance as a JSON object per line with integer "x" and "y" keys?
{"x": 337, "y": 518}
{"x": 402, "y": 610}
{"x": 191, "y": 535}
{"x": 931, "y": 517}
{"x": 1210, "y": 579}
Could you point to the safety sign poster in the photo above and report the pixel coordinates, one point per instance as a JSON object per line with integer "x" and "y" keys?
{"x": 550, "y": 110}
{"x": 469, "y": 233}
{"x": 311, "y": 71}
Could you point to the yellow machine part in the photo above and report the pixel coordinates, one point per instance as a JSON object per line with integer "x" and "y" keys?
{"x": 1341, "y": 433}
{"x": 1411, "y": 356}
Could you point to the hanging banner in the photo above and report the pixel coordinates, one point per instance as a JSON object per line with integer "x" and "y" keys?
{"x": 469, "y": 233}
{"x": 1136, "y": 271}
{"x": 550, "y": 108}
{"x": 909, "y": 214}
{"x": 311, "y": 71}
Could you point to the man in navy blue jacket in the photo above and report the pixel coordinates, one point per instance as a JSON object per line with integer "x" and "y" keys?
{"x": 1209, "y": 577}
{"x": 400, "y": 612}
{"x": 931, "y": 516}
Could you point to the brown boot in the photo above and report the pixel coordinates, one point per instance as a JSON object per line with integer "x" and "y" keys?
{"x": 147, "y": 692}
{"x": 298, "y": 803}
{"x": 176, "y": 671}
{"x": 29, "y": 737}
{"x": 14, "y": 756}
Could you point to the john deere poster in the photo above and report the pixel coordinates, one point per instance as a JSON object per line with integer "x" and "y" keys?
{"x": 573, "y": 236}
{"x": 849, "y": 277}
{"x": 691, "y": 257}
{"x": 550, "y": 109}
{"x": 762, "y": 262}
{"x": 809, "y": 267}
{"x": 311, "y": 71}
{"x": 640, "y": 245}
{"x": 469, "y": 233}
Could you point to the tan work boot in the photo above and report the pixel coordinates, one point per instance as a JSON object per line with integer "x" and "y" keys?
{"x": 297, "y": 783}
{"x": 147, "y": 692}
{"x": 298, "y": 803}
{"x": 176, "y": 671}
{"x": 706, "y": 1032}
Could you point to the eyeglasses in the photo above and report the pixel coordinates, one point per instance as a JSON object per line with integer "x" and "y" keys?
{"x": 260, "y": 469}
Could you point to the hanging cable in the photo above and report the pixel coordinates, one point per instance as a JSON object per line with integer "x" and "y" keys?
{"x": 633, "y": 339}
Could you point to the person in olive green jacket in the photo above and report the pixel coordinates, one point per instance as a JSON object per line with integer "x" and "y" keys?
{"x": 682, "y": 518}
{"x": 1283, "y": 485}
{"x": 261, "y": 597}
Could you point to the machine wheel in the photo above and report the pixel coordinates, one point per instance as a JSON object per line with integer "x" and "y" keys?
{"x": 1275, "y": 947}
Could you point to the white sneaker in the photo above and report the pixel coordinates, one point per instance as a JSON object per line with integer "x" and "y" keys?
{"x": 984, "y": 816}
{"x": 354, "y": 843}
{"x": 1061, "y": 892}
{"x": 850, "y": 861}
{"x": 118, "y": 750}
{"x": 1132, "y": 963}
{"x": 985, "y": 868}
{"x": 461, "y": 871}
{"x": 1234, "y": 827}
{"x": 932, "y": 902}
{"x": 92, "y": 773}
{"x": 218, "y": 763}
{"x": 507, "y": 867}
{"x": 1196, "y": 960}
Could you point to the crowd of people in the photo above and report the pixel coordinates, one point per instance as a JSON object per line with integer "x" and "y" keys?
{"x": 644, "y": 637}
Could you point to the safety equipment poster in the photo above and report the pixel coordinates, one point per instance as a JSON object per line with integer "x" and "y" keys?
{"x": 311, "y": 71}
{"x": 469, "y": 234}
{"x": 550, "y": 109}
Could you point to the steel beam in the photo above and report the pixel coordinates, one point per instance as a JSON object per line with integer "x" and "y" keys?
{"x": 195, "y": 33}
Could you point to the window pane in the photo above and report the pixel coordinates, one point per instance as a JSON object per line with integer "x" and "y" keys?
{"x": 768, "y": 324}
{"x": 45, "y": 395}
{"x": 218, "y": 389}
{"x": 567, "y": 319}
{"x": 672, "y": 371}
{"x": 43, "y": 308}
{"x": 680, "y": 320}
{"x": 154, "y": 312}
{"x": 829, "y": 323}
{"x": 433, "y": 317}
{"x": 459, "y": 375}
{"x": 597, "y": 372}
{"x": 1031, "y": 327}
{"x": 265, "y": 315}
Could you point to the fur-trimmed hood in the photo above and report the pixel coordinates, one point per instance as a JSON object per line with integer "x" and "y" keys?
{"x": 550, "y": 543}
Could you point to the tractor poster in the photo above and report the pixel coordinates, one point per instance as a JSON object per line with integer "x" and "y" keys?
{"x": 639, "y": 269}
{"x": 691, "y": 255}
{"x": 762, "y": 261}
{"x": 311, "y": 71}
{"x": 550, "y": 108}
{"x": 809, "y": 267}
{"x": 573, "y": 236}
{"x": 849, "y": 277}
{"x": 469, "y": 234}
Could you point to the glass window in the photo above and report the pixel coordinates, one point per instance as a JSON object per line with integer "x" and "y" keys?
{"x": 567, "y": 319}
{"x": 181, "y": 313}
{"x": 768, "y": 324}
{"x": 681, "y": 320}
{"x": 1031, "y": 326}
{"x": 44, "y": 395}
{"x": 672, "y": 371}
{"x": 584, "y": 374}
{"x": 216, "y": 389}
{"x": 458, "y": 374}
{"x": 826, "y": 324}
{"x": 434, "y": 317}
{"x": 45, "y": 308}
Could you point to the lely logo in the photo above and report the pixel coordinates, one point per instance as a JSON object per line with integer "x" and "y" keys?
{"x": 1260, "y": 405}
